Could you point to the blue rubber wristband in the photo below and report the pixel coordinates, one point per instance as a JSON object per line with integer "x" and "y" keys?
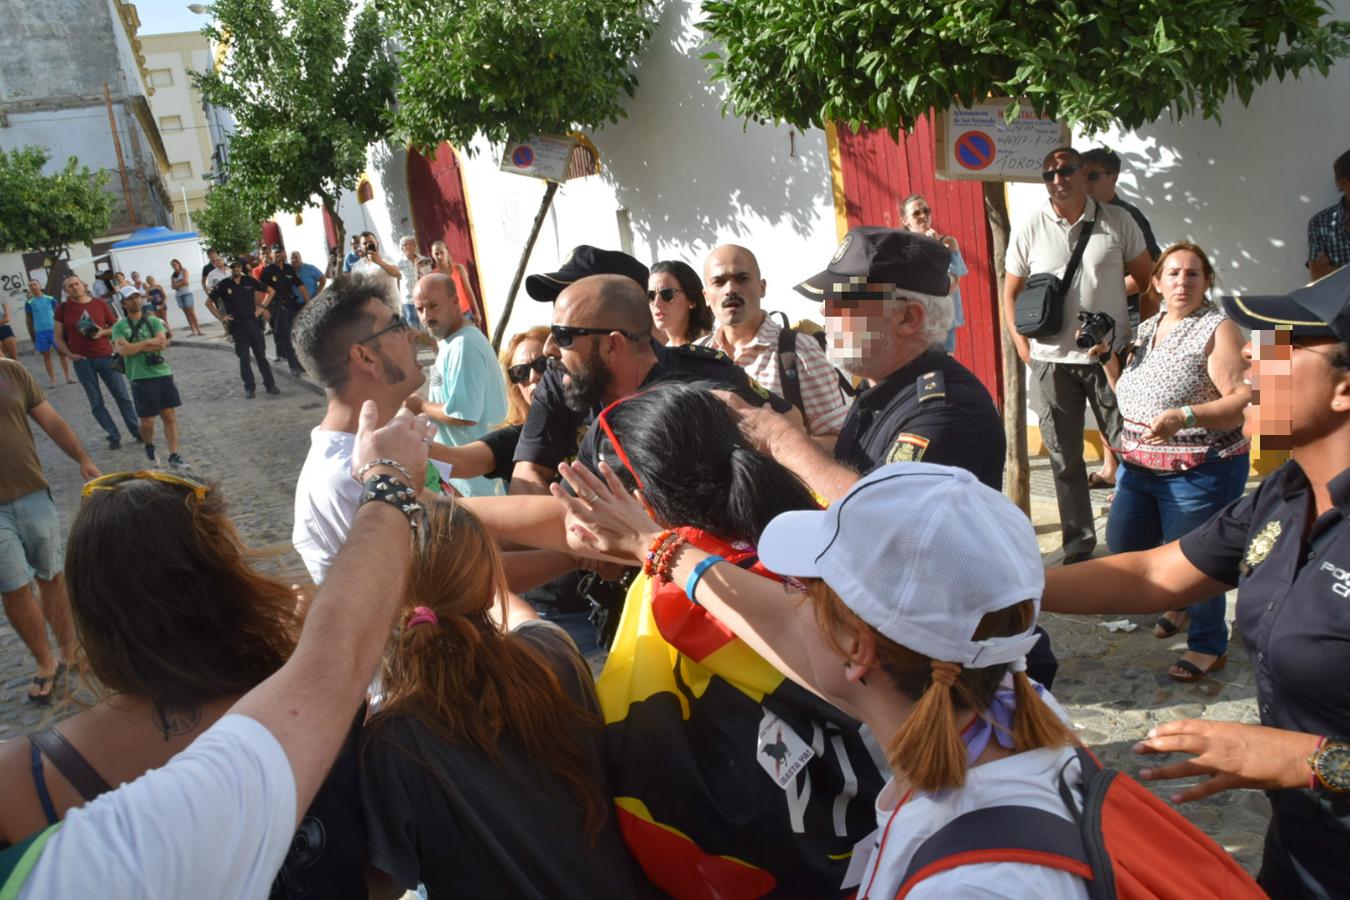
{"x": 697, "y": 575}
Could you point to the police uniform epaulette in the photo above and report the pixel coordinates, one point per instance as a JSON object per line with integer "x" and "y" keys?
{"x": 932, "y": 386}
{"x": 692, "y": 351}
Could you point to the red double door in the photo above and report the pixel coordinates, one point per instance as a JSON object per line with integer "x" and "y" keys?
{"x": 439, "y": 209}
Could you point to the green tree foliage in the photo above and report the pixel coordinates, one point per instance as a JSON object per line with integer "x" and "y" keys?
{"x": 512, "y": 70}
{"x": 50, "y": 212}
{"x": 229, "y": 222}
{"x": 308, "y": 82}
{"x": 883, "y": 64}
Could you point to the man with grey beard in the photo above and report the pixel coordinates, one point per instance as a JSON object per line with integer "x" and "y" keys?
{"x": 887, "y": 312}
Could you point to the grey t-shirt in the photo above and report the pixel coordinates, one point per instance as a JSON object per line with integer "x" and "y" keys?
{"x": 465, "y": 825}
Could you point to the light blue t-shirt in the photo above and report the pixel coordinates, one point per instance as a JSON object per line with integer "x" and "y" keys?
{"x": 958, "y": 268}
{"x": 309, "y": 275}
{"x": 43, "y": 310}
{"x": 468, "y": 380}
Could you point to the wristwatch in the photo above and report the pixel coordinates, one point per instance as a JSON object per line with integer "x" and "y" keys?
{"x": 1330, "y": 764}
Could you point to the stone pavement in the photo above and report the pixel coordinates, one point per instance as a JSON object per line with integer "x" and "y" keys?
{"x": 1114, "y": 685}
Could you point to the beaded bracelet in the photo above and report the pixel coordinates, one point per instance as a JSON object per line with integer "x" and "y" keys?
{"x": 663, "y": 562}
{"x": 391, "y": 463}
{"x": 654, "y": 550}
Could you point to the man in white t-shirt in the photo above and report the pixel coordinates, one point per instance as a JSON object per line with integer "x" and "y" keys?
{"x": 1064, "y": 376}
{"x": 407, "y": 267}
{"x": 356, "y": 345}
{"x": 467, "y": 396}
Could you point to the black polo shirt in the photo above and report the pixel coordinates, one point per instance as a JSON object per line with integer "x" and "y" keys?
{"x": 933, "y": 410}
{"x": 1293, "y": 609}
{"x": 239, "y": 298}
{"x": 553, "y": 431}
{"x": 283, "y": 280}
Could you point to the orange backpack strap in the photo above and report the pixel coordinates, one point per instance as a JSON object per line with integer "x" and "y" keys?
{"x": 1019, "y": 834}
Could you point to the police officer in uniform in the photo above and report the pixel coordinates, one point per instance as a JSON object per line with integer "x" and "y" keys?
{"x": 234, "y": 302}
{"x": 1286, "y": 548}
{"x": 284, "y": 281}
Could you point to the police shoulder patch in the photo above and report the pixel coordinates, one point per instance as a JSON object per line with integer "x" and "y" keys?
{"x": 907, "y": 448}
{"x": 757, "y": 387}
{"x": 697, "y": 351}
{"x": 932, "y": 386}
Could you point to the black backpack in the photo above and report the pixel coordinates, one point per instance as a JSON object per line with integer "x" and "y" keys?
{"x": 788, "y": 375}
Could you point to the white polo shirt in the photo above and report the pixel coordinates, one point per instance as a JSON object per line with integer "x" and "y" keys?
{"x": 1045, "y": 242}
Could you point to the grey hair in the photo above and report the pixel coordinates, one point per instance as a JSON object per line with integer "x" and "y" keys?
{"x": 939, "y": 312}
{"x": 407, "y": 238}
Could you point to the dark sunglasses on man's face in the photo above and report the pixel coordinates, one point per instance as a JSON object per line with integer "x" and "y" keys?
{"x": 564, "y": 335}
{"x": 666, "y": 294}
{"x": 1095, "y": 174}
{"x": 1068, "y": 171}
{"x": 397, "y": 325}
{"x": 521, "y": 373}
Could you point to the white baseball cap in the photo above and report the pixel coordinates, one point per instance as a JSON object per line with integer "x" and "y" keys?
{"x": 920, "y": 552}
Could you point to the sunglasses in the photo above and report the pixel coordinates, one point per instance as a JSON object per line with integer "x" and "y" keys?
{"x": 521, "y": 373}
{"x": 564, "y": 335}
{"x": 397, "y": 325}
{"x": 920, "y": 211}
{"x": 666, "y": 294}
{"x": 1095, "y": 174}
{"x": 1050, "y": 175}
{"x": 111, "y": 482}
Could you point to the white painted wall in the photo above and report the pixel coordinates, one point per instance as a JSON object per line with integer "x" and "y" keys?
{"x": 156, "y": 260}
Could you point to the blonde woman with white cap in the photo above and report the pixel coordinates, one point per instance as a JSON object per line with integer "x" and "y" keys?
{"x": 921, "y": 590}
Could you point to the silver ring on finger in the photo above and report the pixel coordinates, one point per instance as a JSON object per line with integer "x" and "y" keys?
{"x": 592, "y": 498}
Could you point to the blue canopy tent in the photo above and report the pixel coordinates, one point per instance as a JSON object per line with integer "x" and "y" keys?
{"x": 151, "y": 251}
{"x": 157, "y": 234}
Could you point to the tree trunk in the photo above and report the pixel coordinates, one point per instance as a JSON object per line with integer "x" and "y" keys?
{"x": 1016, "y": 476}
{"x": 520, "y": 269}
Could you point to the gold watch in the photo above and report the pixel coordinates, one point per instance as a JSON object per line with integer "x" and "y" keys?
{"x": 1330, "y": 764}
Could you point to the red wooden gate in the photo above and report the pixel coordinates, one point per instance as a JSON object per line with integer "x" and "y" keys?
{"x": 878, "y": 173}
{"x": 439, "y": 209}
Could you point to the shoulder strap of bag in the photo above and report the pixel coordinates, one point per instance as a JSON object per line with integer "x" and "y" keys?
{"x": 1021, "y": 834}
{"x": 788, "y": 375}
{"x": 68, "y": 761}
{"x": 1078, "y": 249}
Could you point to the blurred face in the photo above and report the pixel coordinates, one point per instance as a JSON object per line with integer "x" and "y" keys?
{"x": 440, "y": 253}
{"x": 669, "y": 305}
{"x": 1182, "y": 282}
{"x": 410, "y": 249}
{"x": 1286, "y": 418}
{"x": 918, "y": 216}
{"x": 295, "y": 259}
{"x": 34, "y": 288}
{"x": 732, "y": 286}
{"x": 439, "y": 312}
{"x": 135, "y": 277}
{"x": 74, "y": 288}
{"x": 132, "y": 306}
{"x": 857, "y": 331}
{"x": 215, "y": 259}
{"x": 1068, "y": 181}
{"x": 526, "y": 353}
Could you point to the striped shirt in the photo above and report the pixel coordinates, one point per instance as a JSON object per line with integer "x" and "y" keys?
{"x": 822, "y": 397}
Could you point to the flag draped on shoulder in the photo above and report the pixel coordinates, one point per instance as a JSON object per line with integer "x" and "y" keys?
{"x": 730, "y": 780}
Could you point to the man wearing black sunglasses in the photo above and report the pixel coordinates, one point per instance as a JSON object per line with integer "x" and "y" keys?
{"x": 1065, "y": 377}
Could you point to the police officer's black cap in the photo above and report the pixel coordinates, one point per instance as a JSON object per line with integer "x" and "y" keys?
{"x": 1321, "y": 309}
{"x": 584, "y": 261}
{"x": 238, "y": 261}
{"x": 276, "y": 247}
{"x": 871, "y": 255}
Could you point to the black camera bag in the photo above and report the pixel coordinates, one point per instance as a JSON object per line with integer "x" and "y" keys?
{"x": 1039, "y": 310}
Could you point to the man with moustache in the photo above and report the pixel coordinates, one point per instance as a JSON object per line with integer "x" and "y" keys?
{"x": 751, "y": 338}
{"x": 467, "y": 397}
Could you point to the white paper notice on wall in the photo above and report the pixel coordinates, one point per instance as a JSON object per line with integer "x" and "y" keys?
{"x": 980, "y": 144}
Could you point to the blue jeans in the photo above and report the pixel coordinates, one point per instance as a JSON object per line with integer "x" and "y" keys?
{"x": 1153, "y": 508}
{"x": 89, "y": 371}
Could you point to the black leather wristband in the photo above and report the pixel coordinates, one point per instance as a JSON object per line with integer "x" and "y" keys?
{"x": 387, "y": 489}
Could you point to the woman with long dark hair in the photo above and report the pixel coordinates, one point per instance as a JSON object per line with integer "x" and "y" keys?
{"x": 481, "y": 770}
{"x": 174, "y": 626}
{"x": 713, "y": 755}
{"x": 679, "y": 309}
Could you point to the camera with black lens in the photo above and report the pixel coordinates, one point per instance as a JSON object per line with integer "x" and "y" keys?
{"x": 371, "y": 248}
{"x": 88, "y": 329}
{"x": 1094, "y": 328}
{"x": 154, "y": 358}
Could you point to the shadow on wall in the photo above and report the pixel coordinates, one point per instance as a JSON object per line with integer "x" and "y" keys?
{"x": 390, "y": 166}
{"x": 719, "y": 174}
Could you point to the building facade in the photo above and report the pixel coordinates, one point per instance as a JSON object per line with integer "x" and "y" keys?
{"x": 181, "y": 117}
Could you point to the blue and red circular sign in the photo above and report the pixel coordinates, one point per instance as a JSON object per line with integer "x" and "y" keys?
{"x": 974, "y": 150}
{"x": 523, "y": 156}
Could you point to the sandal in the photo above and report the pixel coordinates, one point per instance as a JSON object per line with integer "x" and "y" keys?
{"x": 1097, "y": 483}
{"x": 46, "y": 685}
{"x": 1194, "y": 672}
{"x": 1164, "y": 628}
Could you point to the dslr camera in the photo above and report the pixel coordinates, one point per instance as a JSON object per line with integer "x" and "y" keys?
{"x": 88, "y": 329}
{"x": 1094, "y": 328}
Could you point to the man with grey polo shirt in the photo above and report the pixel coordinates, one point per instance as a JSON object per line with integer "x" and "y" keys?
{"x": 1063, "y": 376}
{"x": 31, "y": 539}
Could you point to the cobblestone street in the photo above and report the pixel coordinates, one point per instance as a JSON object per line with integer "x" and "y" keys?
{"x": 1114, "y": 684}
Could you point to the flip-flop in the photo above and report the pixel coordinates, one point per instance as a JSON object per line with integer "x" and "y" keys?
{"x": 42, "y": 681}
{"x": 1194, "y": 672}
{"x": 1097, "y": 483}
{"x": 1164, "y": 628}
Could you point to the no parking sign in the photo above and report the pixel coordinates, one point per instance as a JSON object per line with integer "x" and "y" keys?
{"x": 980, "y": 144}
{"x": 543, "y": 157}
